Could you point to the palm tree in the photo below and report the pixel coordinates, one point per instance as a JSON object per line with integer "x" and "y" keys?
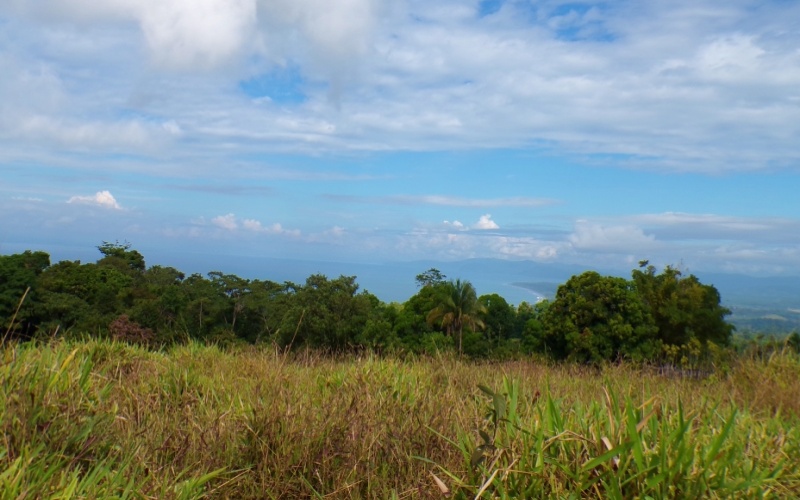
{"x": 458, "y": 307}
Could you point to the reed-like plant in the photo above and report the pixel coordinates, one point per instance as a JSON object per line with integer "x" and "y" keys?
{"x": 620, "y": 449}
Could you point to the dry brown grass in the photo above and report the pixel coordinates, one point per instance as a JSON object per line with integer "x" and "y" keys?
{"x": 309, "y": 427}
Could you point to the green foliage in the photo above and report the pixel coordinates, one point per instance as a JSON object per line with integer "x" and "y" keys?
{"x": 84, "y": 297}
{"x": 431, "y": 277}
{"x": 613, "y": 449}
{"x": 18, "y": 275}
{"x": 121, "y": 257}
{"x": 595, "y": 318}
{"x": 533, "y": 335}
{"x": 410, "y": 322}
{"x": 262, "y": 311}
{"x": 457, "y": 307}
{"x": 327, "y": 314}
{"x": 379, "y": 334}
{"x": 682, "y": 307}
{"x": 793, "y": 342}
{"x": 103, "y": 419}
{"x": 499, "y": 318}
{"x": 592, "y": 319}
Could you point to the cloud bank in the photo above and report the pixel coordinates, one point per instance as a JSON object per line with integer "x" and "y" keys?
{"x": 687, "y": 87}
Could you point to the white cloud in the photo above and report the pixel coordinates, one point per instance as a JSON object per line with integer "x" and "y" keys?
{"x": 455, "y": 225}
{"x": 710, "y": 227}
{"x": 730, "y": 58}
{"x": 196, "y": 34}
{"x": 527, "y": 248}
{"x": 101, "y": 199}
{"x": 230, "y": 222}
{"x": 485, "y": 222}
{"x": 115, "y": 135}
{"x": 706, "y": 221}
{"x": 226, "y": 222}
{"x": 621, "y": 239}
{"x": 692, "y": 86}
{"x": 276, "y": 228}
{"x": 253, "y": 225}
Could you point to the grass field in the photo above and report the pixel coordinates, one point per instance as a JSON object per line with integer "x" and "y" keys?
{"x": 98, "y": 419}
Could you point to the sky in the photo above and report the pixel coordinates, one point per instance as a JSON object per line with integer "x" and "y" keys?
{"x": 377, "y": 131}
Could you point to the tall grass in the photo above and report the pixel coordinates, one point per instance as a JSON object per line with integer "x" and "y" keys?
{"x": 104, "y": 419}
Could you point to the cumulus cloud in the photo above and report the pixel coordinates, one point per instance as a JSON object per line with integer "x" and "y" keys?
{"x": 208, "y": 34}
{"x": 486, "y": 222}
{"x": 101, "y": 199}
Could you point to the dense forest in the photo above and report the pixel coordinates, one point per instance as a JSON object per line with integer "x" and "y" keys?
{"x": 654, "y": 316}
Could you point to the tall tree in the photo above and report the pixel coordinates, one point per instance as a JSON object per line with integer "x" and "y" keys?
{"x": 682, "y": 307}
{"x": 120, "y": 256}
{"x": 431, "y": 277}
{"x": 410, "y": 324}
{"x": 499, "y": 317}
{"x": 458, "y": 307}
{"x": 595, "y": 318}
{"x": 328, "y": 314}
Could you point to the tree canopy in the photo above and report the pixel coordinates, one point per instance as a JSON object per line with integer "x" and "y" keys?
{"x": 682, "y": 308}
{"x": 592, "y": 318}
{"x": 595, "y": 318}
{"x": 457, "y": 307}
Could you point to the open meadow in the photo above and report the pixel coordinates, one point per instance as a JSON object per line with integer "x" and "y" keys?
{"x": 102, "y": 419}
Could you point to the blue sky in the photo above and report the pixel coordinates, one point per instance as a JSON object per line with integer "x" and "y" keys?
{"x": 589, "y": 133}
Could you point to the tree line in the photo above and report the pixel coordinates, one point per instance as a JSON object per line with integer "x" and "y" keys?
{"x": 592, "y": 318}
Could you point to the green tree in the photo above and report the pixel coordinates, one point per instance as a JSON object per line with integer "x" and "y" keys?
{"x": 379, "y": 334}
{"x": 457, "y": 307}
{"x": 206, "y": 306}
{"x": 410, "y": 323}
{"x": 595, "y": 318}
{"x": 160, "y": 302}
{"x": 431, "y": 277}
{"x": 532, "y": 328}
{"x": 19, "y": 274}
{"x": 682, "y": 307}
{"x": 263, "y": 310}
{"x": 327, "y": 314}
{"x": 84, "y": 297}
{"x": 236, "y": 290}
{"x": 120, "y": 256}
{"x": 499, "y": 318}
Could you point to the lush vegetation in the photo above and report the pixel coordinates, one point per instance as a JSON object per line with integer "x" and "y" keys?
{"x": 127, "y": 381}
{"x": 653, "y": 317}
{"x": 103, "y": 419}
